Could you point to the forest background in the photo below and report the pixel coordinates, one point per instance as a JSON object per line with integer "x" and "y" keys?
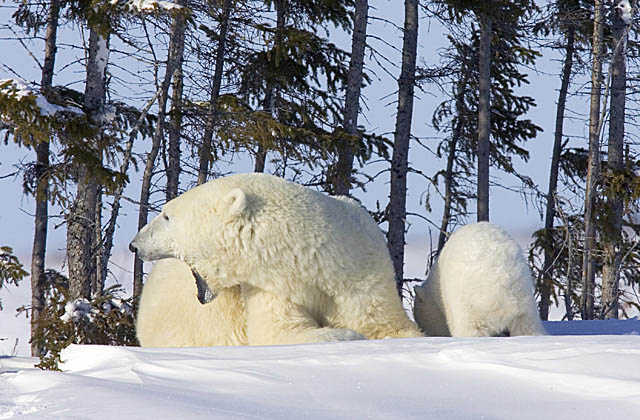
{"x": 448, "y": 37}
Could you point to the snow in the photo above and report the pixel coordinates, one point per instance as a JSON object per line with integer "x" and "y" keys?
{"x": 16, "y": 88}
{"x": 626, "y": 11}
{"x": 20, "y": 90}
{"x": 102, "y": 55}
{"x": 146, "y": 6}
{"x": 80, "y": 309}
{"x": 555, "y": 377}
{"x": 108, "y": 114}
{"x": 77, "y": 309}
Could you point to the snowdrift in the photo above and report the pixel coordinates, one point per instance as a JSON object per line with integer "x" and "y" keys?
{"x": 550, "y": 377}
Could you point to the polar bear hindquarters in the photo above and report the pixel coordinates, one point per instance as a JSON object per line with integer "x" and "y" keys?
{"x": 482, "y": 284}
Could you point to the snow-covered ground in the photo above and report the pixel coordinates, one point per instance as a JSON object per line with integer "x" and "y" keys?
{"x": 560, "y": 376}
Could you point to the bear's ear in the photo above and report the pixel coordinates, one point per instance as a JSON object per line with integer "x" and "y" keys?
{"x": 235, "y": 203}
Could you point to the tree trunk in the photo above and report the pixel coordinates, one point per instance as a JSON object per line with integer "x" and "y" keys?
{"x": 615, "y": 165}
{"x": 399, "y": 162}
{"x": 451, "y": 160}
{"x": 550, "y": 214}
{"x": 80, "y": 236}
{"x": 175, "y": 128}
{"x": 568, "y": 297}
{"x": 484, "y": 115}
{"x": 261, "y": 159}
{"x": 117, "y": 196}
{"x": 176, "y": 47}
{"x": 212, "y": 114}
{"x": 145, "y": 189}
{"x": 97, "y": 280}
{"x": 81, "y": 219}
{"x": 593, "y": 170}
{"x": 38, "y": 253}
{"x": 342, "y": 182}
{"x": 448, "y": 193}
{"x": 145, "y": 193}
{"x": 270, "y": 96}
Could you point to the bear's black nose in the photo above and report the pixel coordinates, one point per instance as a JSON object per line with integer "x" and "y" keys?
{"x": 132, "y": 248}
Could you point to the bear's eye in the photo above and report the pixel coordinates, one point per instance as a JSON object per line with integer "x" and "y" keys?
{"x": 165, "y": 217}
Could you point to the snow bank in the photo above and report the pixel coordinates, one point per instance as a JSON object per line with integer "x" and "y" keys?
{"x": 553, "y": 377}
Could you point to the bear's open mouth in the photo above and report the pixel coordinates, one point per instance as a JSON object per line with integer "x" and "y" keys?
{"x": 205, "y": 295}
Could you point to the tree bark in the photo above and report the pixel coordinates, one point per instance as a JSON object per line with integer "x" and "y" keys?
{"x": 612, "y": 236}
{"x": 80, "y": 236}
{"x": 448, "y": 193}
{"x": 399, "y": 161}
{"x": 81, "y": 219}
{"x": 593, "y": 170}
{"x": 38, "y": 253}
{"x": 97, "y": 280}
{"x": 550, "y": 213}
{"x": 117, "y": 196}
{"x": 270, "y": 96}
{"x": 568, "y": 298}
{"x": 176, "y": 47}
{"x": 145, "y": 193}
{"x": 261, "y": 159}
{"x": 344, "y": 167}
{"x": 145, "y": 189}
{"x": 484, "y": 115}
{"x": 212, "y": 114}
{"x": 451, "y": 159}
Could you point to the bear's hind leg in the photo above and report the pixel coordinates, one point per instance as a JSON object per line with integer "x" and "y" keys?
{"x": 462, "y": 324}
{"x": 377, "y": 314}
{"x": 527, "y": 324}
{"x": 273, "y": 319}
{"x": 428, "y": 313}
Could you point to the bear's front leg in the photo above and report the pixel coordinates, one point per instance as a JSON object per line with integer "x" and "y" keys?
{"x": 273, "y": 319}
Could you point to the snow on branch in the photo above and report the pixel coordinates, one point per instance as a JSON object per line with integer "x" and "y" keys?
{"x": 20, "y": 91}
{"x": 626, "y": 11}
{"x": 145, "y": 6}
{"x": 77, "y": 310}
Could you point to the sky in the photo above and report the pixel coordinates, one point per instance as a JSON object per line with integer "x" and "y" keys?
{"x": 508, "y": 209}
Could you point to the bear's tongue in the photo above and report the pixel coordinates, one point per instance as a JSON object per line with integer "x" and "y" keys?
{"x": 205, "y": 295}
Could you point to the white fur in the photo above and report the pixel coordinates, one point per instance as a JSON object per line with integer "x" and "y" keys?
{"x": 170, "y": 314}
{"x": 310, "y": 267}
{"x": 479, "y": 286}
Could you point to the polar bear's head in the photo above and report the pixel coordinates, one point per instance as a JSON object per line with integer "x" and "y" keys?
{"x": 199, "y": 227}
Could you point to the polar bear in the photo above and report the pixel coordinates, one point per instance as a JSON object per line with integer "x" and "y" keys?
{"x": 170, "y": 314}
{"x": 480, "y": 285}
{"x": 309, "y": 267}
